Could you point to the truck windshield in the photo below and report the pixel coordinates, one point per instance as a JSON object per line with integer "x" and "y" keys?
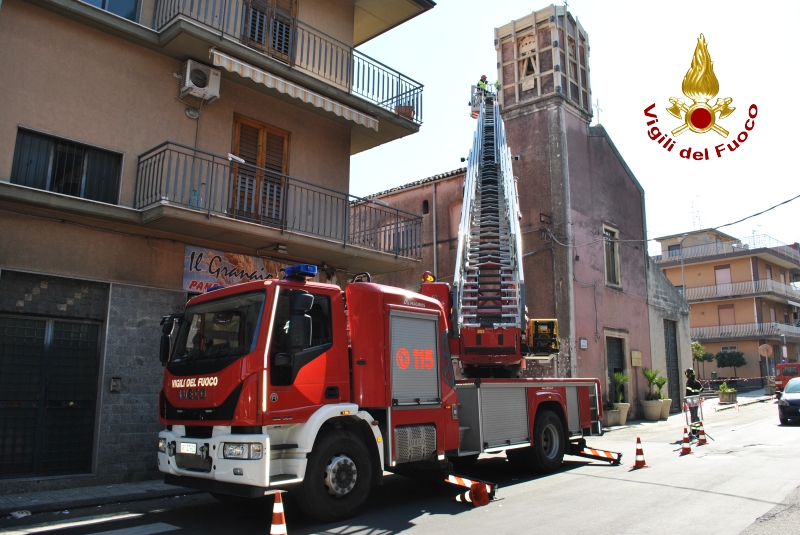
{"x": 215, "y": 333}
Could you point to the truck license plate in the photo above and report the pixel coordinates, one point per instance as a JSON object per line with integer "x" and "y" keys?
{"x": 189, "y": 447}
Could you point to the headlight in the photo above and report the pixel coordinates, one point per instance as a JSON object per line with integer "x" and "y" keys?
{"x": 242, "y": 451}
{"x": 783, "y": 402}
{"x": 162, "y": 445}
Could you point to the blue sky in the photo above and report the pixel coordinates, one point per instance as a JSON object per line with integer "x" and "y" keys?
{"x": 640, "y": 52}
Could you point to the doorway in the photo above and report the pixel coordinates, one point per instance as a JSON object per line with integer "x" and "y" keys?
{"x": 616, "y": 362}
{"x": 48, "y": 392}
{"x": 673, "y": 371}
{"x": 258, "y": 186}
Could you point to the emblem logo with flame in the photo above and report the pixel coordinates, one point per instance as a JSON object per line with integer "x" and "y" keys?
{"x": 700, "y": 85}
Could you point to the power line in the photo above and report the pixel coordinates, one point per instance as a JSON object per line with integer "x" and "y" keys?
{"x": 759, "y": 213}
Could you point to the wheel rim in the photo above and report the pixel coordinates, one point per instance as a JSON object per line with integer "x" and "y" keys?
{"x": 550, "y": 441}
{"x": 341, "y": 475}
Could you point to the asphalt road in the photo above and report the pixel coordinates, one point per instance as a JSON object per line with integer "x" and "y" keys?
{"x": 745, "y": 480}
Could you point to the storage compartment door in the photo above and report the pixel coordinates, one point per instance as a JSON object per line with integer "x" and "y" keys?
{"x": 504, "y": 416}
{"x": 415, "y": 359}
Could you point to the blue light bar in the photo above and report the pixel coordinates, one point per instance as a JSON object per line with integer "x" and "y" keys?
{"x": 300, "y": 271}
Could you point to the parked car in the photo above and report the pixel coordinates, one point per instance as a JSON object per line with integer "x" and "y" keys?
{"x": 789, "y": 403}
{"x": 784, "y": 374}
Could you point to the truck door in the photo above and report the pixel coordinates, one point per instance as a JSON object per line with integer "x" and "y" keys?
{"x": 298, "y": 391}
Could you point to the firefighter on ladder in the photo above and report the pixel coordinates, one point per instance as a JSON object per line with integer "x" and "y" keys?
{"x": 693, "y": 388}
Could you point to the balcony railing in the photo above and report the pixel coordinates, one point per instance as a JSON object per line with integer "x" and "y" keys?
{"x": 742, "y": 288}
{"x": 745, "y": 330}
{"x": 206, "y": 182}
{"x": 274, "y": 33}
{"x": 726, "y": 248}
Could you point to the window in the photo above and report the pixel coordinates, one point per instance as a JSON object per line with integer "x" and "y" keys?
{"x": 321, "y": 335}
{"x": 729, "y": 348}
{"x": 61, "y": 166}
{"x": 127, "y": 9}
{"x": 611, "y": 247}
{"x": 425, "y": 207}
{"x": 727, "y": 315}
{"x": 674, "y": 250}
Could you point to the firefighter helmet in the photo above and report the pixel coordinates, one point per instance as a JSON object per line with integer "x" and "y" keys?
{"x": 689, "y": 372}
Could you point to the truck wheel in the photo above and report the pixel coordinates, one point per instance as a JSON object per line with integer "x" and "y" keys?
{"x": 548, "y": 442}
{"x": 338, "y": 478}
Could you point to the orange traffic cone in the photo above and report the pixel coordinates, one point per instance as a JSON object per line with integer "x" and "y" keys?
{"x": 278, "y": 519}
{"x": 686, "y": 447}
{"x": 639, "y": 456}
{"x": 701, "y": 439}
{"x": 464, "y": 497}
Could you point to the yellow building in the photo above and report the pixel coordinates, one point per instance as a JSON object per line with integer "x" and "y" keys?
{"x": 743, "y": 293}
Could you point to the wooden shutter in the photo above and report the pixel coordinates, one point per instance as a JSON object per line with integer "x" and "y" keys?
{"x": 722, "y": 274}
{"x": 258, "y": 185}
{"x": 726, "y": 315}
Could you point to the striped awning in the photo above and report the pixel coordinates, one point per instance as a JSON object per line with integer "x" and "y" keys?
{"x": 284, "y": 86}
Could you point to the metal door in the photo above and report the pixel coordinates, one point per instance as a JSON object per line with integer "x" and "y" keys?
{"x": 616, "y": 362}
{"x": 48, "y": 391}
{"x": 673, "y": 372}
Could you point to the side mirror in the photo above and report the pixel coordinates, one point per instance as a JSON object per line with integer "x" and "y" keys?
{"x": 283, "y": 360}
{"x": 164, "y": 349}
{"x": 301, "y": 302}
{"x": 778, "y": 394}
{"x": 300, "y": 331}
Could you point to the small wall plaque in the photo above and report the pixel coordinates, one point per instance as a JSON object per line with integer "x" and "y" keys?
{"x": 584, "y": 343}
{"x": 636, "y": 358}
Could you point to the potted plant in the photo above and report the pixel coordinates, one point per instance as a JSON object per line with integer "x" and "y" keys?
{"x": 726, "y": 393}
{"x": 666, "y": 402}
{"x": 769, "y": 388}
{"x": 619, "y": 380}
{"x": 610, "y": 415}
{"x": 651, "y": 406}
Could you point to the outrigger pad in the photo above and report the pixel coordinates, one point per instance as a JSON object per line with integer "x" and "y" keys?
{"x": 580, "y": 449}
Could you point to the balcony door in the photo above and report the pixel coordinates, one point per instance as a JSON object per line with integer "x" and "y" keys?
{"x": 726, "y": 315}
{"x": 258, "y": 184}
{"x": 270, "y": 26}
{"x": 722, "y": 275}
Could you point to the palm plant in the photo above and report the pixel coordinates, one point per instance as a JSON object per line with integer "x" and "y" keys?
{"x": 619, "y": 380}
{"x": 660, "y": 382}
{"x": 652, "y": 375}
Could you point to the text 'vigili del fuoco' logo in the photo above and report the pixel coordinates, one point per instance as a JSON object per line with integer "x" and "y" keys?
{"x": 700, "y": 85}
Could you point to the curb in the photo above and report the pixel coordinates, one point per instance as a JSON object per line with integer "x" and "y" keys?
{"x": 742, "y": 403}
{"x": 75, "y": 503}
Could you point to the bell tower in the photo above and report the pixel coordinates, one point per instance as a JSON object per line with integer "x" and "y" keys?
{"x": 544, "y": 54}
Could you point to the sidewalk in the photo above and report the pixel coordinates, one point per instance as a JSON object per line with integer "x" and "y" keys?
{"x": 710, "y": 405}
{"x": 65, "y": 499}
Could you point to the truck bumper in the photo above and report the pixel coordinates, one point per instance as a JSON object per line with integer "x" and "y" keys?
{"x": 208, "y": 465}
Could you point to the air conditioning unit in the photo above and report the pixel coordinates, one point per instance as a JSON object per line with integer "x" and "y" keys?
{"x": 200, "y": 81}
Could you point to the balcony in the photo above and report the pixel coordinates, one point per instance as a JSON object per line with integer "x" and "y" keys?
{"x": 739, "y": 247}
{"x": 736, "y": 289}
{"x": 277, "y": 35}
{"x": 199, "y": 183}
{"x": 744, "y": 331}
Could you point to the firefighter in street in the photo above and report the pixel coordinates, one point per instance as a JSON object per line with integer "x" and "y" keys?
{"x": 693, "y": 388}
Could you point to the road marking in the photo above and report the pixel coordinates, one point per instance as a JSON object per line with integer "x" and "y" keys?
{"x": 64, "y": 524}
{"x": 147, "y": 529}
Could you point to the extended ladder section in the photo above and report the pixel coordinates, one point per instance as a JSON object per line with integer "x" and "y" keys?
{"x": 488, "y": 281}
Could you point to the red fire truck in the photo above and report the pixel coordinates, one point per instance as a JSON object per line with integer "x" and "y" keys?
{"x": 292, "y": 382}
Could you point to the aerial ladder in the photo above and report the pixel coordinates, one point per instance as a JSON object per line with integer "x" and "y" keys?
{"x": 494, "y": 336}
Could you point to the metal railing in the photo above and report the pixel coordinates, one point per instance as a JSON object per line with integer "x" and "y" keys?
{"x": 210, "y": 183}
{"x": 743, "y": 331}
{"x": 730, "y": 247}
{"x": 742, "y": 288}
{"x": 274, "y": 33}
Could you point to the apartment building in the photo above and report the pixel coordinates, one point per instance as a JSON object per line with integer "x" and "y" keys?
{"x": 582, "y": 218}
{"x": 744, "y": 293}
{"x": 150, "y": 149}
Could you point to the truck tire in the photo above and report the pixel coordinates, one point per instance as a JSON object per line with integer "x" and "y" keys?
{"x": 338, "y": 478}
{"x": 547, "y": 452}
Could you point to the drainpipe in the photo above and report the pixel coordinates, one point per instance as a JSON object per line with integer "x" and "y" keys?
{"x": 435, "y": 241}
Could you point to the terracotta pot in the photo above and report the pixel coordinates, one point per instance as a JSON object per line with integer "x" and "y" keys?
{"x": 610, "y": 418}
{"x": 769, "y": 390}
{"x": 623, "y": 412}
{"x": 665, "y": 405}
{"x": 652, "y": 410}
{"x": 405, "y": 111}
